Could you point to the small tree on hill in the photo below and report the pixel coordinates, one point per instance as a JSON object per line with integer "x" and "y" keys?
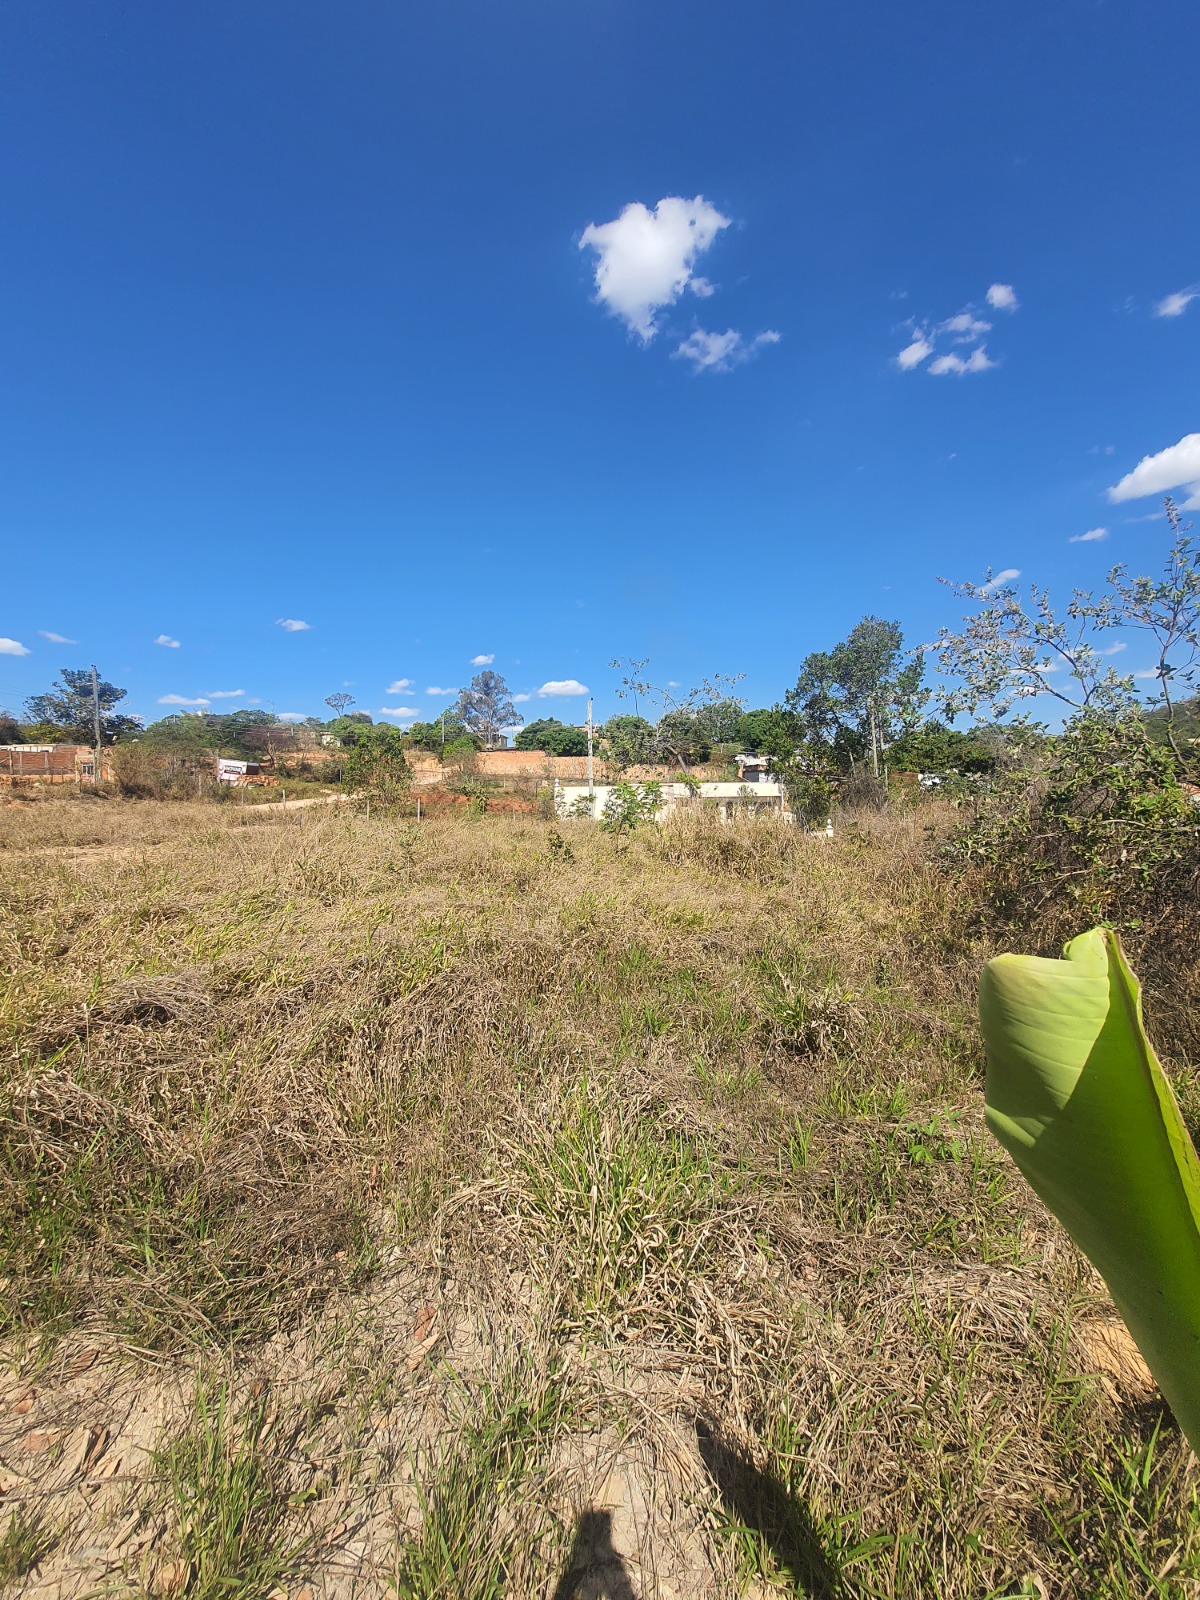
{"x": 338, "y": 702}
{"x": 554, "y": 737}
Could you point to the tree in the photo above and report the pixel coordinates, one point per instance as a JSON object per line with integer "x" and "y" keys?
{"x": 10, "y": 729}
{"x": 626, "y": 741}
{"x": 1010, "y": 652}
{"x": 933, "y": 747}
{"x": 857, "y": 698}
{"x": 68, "y": 706}
{"x": 681, "y": 732}
{"x": 338, "y": 702}
{"x": 349, "y": 730}
{"x": 376, "y": 770}
{"x": 438, "y": 735}
{"x": 768, "y": 731}
{"x": 486, "y": 706}
{"x": 554, "y": 737}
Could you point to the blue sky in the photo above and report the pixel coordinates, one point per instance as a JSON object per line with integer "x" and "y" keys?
{"x": 339, "y": 315}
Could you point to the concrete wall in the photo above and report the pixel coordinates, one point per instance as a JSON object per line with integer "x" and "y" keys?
{"x": 535, "y": 766}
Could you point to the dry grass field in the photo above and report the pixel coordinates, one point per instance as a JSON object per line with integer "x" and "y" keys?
{"x": 486, "y": 1208}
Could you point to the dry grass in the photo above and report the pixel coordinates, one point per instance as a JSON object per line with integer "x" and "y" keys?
{"x": 436, "y": 1212}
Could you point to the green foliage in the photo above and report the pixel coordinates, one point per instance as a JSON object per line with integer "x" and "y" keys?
{"x": 1076, "y": 1095}
{"x": 554, "y": 737}
{"x": 682, "y": 737}
{"x": 229, "y": 1501}
{"x": 629, "y": 806}
{"x": 375, "y": 769}
{"x": 626, "y": 741}
{"x": 768, "y": 731}
{"x": 68, "y": 707}
{"x": 203, "y": 735}
{"x": 933, "y": 747}
{"x": 1097, "y": 815}
{"x": 856, "y": 699}
{"x": 10, "y": 729}
{"x": 443, "y": 733}
{"x": 348, "y": 730}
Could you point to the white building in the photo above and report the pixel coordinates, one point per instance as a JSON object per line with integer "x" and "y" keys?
{"x": 728, "y": 800}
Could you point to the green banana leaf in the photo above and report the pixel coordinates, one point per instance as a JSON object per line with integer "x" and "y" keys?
{"x": 1076, "y": 1095}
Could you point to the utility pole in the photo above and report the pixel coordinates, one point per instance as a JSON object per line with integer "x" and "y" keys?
{"x": 591, "y": 769}
{"x": 96, "y": 724}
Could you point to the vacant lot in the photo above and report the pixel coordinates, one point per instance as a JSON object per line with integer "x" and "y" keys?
{"x": 484, "y": 1208}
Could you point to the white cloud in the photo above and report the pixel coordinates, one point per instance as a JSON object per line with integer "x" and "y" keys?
{"x": 292, "y": 624}
{"x": 1092, "y": 536}
{"x": 1150, "y": 672}
{"x": 482, "y": 661}
{"x": 13, "y": 647}
{"x": 1008, "y": 575}
{"x": 520, "y": 699}
{"x": 293, "y": 716}
{"x": 1001, "y": 297}
{"x": 398, "y": 711}
{"x": 401, "y": 686}
{"x": 442, "y": 693}
{"x": 563, "y": 686}
{"x": 718, "y": 352}
{"x": 701, "y": 288}
{"x": 965, "y": 327}
{"x": 913, "y": 354}
{"x": 1174, "y": 305}
{"x": 180, "y": 700}
{"x": 1177, "y": 464}
{"x": 1114, "y": 649}
{"x": 56, "y": 638}
{"x": 977, "y": 361}
{"x": 225, "y": 694}
{"x": 1153, "y": 516}
{"x": 167, "y": 642}
{"x": 645, "y": 258}
{"x": 1192, "y": 503}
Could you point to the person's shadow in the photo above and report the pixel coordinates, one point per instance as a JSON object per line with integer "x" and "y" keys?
{"x": 761, "y": 1502}
{"x": 594, "y": 1570}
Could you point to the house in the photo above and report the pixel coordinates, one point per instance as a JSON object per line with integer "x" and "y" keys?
{"x": 31, "y": 764}
{"x": 753, "y": 768}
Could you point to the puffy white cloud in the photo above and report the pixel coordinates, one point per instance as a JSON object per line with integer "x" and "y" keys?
{"x": 398, "y": 711}
{"x": 563, "y": 686}
{"x": 913, "y": 354}
{"x": 401, "y": 686}
{"x": 1174, "y": 305}
{"x": 1177, "y": 464}
{"x": 644, "y": 258}
{"x": 442, "y": 693}
{"x": 1192, "y": 503}
{"x": 180, "y": 700}
{"x": 1092, "y": 536}
{"x": 56, "y": 638}
{"x": 482, "y": 661}
{"x": 999, "y": 579}
{"x": 1001, "y": 297}
{"x": 13, "y": 647}
{"x": 292, "y": 624}
{"x": 965, "y": 327}
{"x": 701, "y": 288}
{"x": 167, "y": 642}
{"x": 225, "y": 694}
{"x": 520, "y": 699}
{"x": 977, "y": 361}
{"x": 718, "y": 352}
